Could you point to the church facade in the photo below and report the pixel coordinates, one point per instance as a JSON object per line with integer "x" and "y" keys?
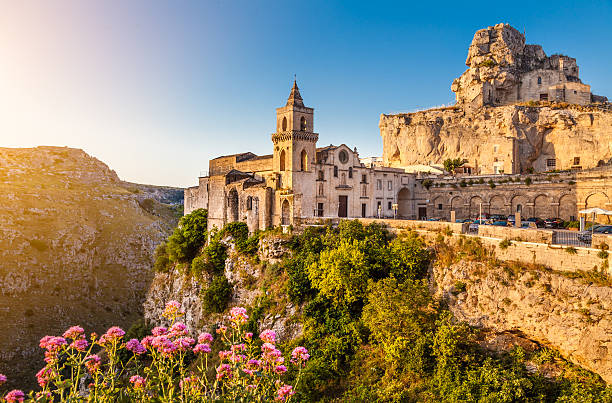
{"x": 299, "y": 180}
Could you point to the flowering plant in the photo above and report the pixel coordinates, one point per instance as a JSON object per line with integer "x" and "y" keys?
{"x": 167, "y": 365}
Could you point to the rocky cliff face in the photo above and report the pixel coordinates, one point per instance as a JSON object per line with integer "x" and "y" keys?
{"x": 76, "y": 247}
{"x": 250, "y": 283}
{"x": 568, "y": 314}
{"x": 513, "y": 137}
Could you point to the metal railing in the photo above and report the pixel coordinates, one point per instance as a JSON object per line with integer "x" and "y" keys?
{"x": 571, "y": 238}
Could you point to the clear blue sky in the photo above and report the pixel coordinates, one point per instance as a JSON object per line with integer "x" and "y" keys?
{"x": 157, "y": 88}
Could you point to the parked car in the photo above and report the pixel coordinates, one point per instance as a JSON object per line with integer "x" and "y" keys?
{"x": 511, "y": 219}
{"x": 585, "y": 236}
{"x": 500, "y": 223}
{"x": 538, "y": 221}
{"x": 553, "y": 223}
{"x": 499, "y": 217}
{"x": 434, "y": 219}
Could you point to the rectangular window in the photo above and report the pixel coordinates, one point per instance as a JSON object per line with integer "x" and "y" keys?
{"x": 378, "y": 184}
{"x": 321, "y": 175}
{"x": 335, "y": 171}
{"x": 551, "y": 163}
{"x": 440, "y": 206}
{"x": 576, "y": 160}
{"x": 390, "y": 185}
{"x": 363, "y": 210}
{"x": 364, "y": 190}
{"x": 320, "y": 210}
{"x": 364, "y": 178}
{"x": 389, "y": 205}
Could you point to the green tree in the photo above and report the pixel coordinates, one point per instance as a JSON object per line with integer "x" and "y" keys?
{"x": 188, "y": 237}
{"x": 452, "y": 164}
{"x": 400, "y": 320}
{"x": 408, "y": 257}
{"x": 341, "y": 274}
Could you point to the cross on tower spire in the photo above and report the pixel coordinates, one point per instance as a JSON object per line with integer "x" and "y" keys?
{"x": 295, "y": 99}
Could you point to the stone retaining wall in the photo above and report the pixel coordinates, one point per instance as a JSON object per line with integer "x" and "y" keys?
{"x": 523, "y": 234}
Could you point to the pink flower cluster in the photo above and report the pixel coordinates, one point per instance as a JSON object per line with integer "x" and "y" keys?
{"x": 14, "y": 396}
{"x": 3, "y": 379}
{"x": 112, "y": 335}
{"x": 173, "y": 309}
{"x": 135, "y": 347}
{"x": 299, "y": 355}
{"x": 92, "y": 362}
{"x": 137, "y": 381}
{"x": 268, "y": 336}
{"x": 238, "y": 316}
{"x": 284, "y": 392}
{"x": 201, "y": 348}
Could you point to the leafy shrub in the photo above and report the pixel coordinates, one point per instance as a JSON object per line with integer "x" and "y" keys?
{"x": 528, "y": 181}
{"x": 161, "y": 262}
{"x": 217, "y": 295}
{"x": 505, "y": 244}
{"x": 427, "y": 183}
{"x": 602, "y": 254}
{"x": 571, "y": 250}
{"x": 491, "y": 184}
{"x": 460, "y": 287}
{"x": 188, "y": 237}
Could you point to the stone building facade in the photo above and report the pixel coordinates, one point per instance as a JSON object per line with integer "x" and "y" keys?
{"x": 299, "y": 181}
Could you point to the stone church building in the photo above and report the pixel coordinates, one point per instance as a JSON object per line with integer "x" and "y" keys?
{"x": 298, "y": 181}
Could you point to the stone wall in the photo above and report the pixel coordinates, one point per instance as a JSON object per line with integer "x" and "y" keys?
{"x": 523, "y": 234}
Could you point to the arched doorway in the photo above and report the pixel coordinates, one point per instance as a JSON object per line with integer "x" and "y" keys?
{"x": 567, "y": 207}
{"x": 541, "y": 207}
{"x": 403, "y": 201}
{"x": 232, "y": 205}
{"x": 597, "y": 200}
{"x": 285, "y": 213}
{"x": 519, "y": 204}
{"x": 475, "y": 203}
{"x": 497, "y": 205}
{"x": 457, "y": 204}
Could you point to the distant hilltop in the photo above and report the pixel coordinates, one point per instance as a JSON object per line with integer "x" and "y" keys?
{"x": 504, "y": 70}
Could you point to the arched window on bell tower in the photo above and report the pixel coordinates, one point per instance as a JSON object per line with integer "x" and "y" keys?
{"x": 303, "y": 161}
{"x": 282, "y": 160}
{"x": 303, "y": 124}
{"x": 284, "y": 126}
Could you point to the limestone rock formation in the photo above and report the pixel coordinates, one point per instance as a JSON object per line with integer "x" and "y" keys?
{"x": 517, "y": 109}
{"x": 502, "y": 70}
{"x": 76, "y": 248}
{"x": 246, "y": 278}
{"x": 510, "y": 138}
{"x": 569, "y": 314}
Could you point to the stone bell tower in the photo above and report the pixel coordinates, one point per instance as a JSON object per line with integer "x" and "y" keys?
{"x": 294, "y": 154}
{"x": 294, "y": 141}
